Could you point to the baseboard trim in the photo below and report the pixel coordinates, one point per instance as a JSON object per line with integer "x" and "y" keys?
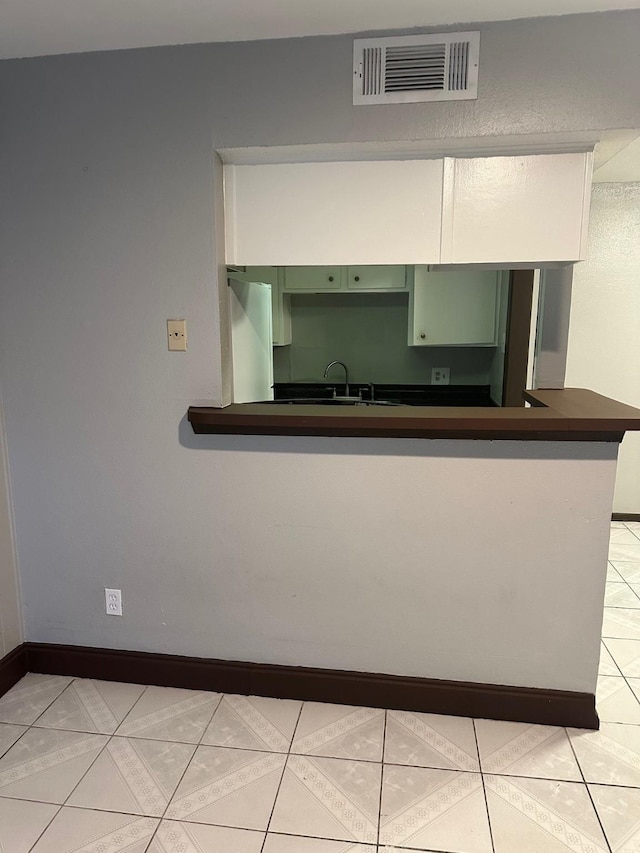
{"x": 12, "y": 667}
{"x": 625, "y": 516}
{"x": 467, "y": 699}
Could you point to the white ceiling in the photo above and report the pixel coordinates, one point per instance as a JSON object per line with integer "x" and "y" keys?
{"x": 43, "y": 27}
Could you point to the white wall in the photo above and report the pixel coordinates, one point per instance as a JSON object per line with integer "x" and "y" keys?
{"x": 10, "y": 615}
{"x": 107, "y": 229}
{"x": 604, "y": 333}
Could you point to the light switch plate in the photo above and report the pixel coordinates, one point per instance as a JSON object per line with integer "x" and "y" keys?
{"x": 177, "y": 335}
{"x": 439, "y": 375}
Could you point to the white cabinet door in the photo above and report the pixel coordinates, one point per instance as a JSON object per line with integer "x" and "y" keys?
{"x": 527, "y": 210}
{"x": 313, "y": 279}
{"x": 376, "y": 278}
{"x": 280, "y": 303}
{"x": 366, "y": 212}
{"x": 524, "y": 210}
{"x": 251, "y": 341}
{"x": 453, "y": 308}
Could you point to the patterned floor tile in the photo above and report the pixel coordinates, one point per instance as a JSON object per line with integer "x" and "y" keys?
{"x": 610, "y": 756}
{"x": 619, "y": 811}
{"x": 634, "y": 684}
{"x": 620, "y": 595}
{"x": 615, "y": 702}
{"x": 430, "y": 740}
{"x": 434, "y": 810}
{"x": 613, "y": 575}
{"x": 339, "y": 731}
{"x": 621, "y": 623}
{"x": 167, "y": 713}
{"x": 254, "y": 722}
{"x": 22, "y": 823}
{"x": 622, "y": 536}
{"x": 607, "y": 665}
{"x": 297, "y": 844}
{"x": 175, "y": 837}
{"x": 636, "y": 588}
{"x": 629, "y": 572}
{"x": 9, "y": 734}
{"x": 330, "y": 798}
{"x": 616, "y": 525}
{"x": 83, "y": 831}
{"x": 229, "y": 787}
{"x": 624, "y": 553}
{"x": 542, "y": 816}
{"x": 46, "y": 764}
{"x": 134, "y": 776}
{"x": 521, "y": 749}
{"x": 92, "y": 706}
{"x": 626, "y": 655}
{"x": 30, "y": 697}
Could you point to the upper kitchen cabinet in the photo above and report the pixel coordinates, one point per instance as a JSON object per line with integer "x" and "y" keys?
{"x": 334, "y": 214}
{"x": 520, "y": 210}
{"x": 313, "y": 279}
{"x": 453, "y": 308}
{"x": 365, "y": 278}
{"x": 377, "y": 278}
{"x": 501, "y": 211}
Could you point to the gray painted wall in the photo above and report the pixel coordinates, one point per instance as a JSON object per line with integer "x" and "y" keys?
{"x": 10, "y": 610}
{"x": 107, "y": 229}
{"x": 368, "y": 332}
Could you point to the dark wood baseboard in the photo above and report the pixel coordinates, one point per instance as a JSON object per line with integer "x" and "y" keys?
{"x": 467, "y": 699}
{"x": 12, "y": 667}
{"x": 625, "y": 516}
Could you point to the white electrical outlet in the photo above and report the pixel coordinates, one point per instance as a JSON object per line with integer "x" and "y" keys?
{"x": 177, "y": 335}
{"x": 113, "y": 601}
{"x": 439, "y": 375}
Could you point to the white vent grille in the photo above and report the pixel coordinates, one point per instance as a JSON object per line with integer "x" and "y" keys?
{"x": 409, "y": 69}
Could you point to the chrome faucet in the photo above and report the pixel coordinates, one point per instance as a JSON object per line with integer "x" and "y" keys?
{"x": 346, "y": 374}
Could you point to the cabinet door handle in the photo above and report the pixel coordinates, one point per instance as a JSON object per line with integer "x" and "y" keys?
{"x": 356, "y": 278}
{"x": 330, "y": 278}
{"x": 422, "y": 335}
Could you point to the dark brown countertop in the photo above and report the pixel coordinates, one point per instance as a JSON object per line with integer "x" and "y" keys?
{"x": 570, "y": 414}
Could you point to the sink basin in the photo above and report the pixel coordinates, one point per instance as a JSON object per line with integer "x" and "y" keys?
{"x": 331, "y": 401}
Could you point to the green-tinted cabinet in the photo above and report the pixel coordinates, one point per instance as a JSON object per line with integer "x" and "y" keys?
{"x": 339, "y": 279}
{"x": 312, "y": 279}
{"x": 376, "y": 278}
{"x": 456, "y": 308}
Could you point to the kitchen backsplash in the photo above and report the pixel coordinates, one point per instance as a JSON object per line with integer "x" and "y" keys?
{"x": 368, "y": 332}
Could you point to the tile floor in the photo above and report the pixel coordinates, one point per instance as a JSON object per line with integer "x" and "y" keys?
{"x": 107, "y": 768}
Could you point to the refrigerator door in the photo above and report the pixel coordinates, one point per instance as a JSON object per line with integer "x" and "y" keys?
{"x": 251, "y": 341}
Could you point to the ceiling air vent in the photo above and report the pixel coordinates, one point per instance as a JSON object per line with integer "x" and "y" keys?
{"x": 410, "y": 69}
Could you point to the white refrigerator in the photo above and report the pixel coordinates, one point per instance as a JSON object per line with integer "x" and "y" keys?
{"x": 251, "y": 340}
